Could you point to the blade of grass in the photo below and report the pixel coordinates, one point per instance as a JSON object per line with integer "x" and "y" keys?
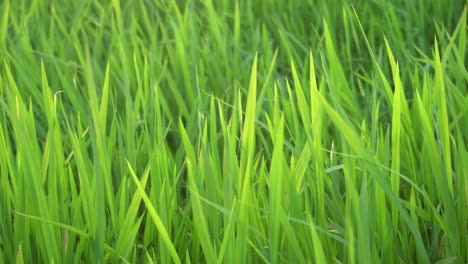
{"x": 155, "y": 217}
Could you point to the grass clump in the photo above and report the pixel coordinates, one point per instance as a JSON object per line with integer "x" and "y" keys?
{"x": 233, "y": 131}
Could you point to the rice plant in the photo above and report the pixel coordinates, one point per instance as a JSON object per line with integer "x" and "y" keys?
{"x": 202, "y": 131}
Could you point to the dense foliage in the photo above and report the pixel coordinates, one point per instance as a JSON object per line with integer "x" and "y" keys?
{"x": 169, "y": 131}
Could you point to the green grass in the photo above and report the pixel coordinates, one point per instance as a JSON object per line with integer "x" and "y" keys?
{"x": 233, "y": 131}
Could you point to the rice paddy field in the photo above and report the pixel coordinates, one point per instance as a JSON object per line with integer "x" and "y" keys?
{"x": 233, "y": 131}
